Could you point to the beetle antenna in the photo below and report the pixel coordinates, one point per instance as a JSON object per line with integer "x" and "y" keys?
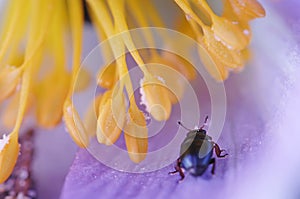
{"x": 183, "y": 126}
{"x": 205, "y": 122}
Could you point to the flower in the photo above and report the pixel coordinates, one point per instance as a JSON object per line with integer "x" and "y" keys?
{"x": 34, "y": 65}
{"x": 32, "y": 33}
{"x": 223, "y": 46}
{"x": 260, "y": 132}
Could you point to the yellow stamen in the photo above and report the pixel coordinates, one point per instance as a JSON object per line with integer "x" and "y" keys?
{"x": 108, "y": 76}
{"x": 173, "y": 80}
{"x": 210, "y": 62}
{"x": 179, "y": 64}
{"x": 83, "y": 80}
{"x": 75, "y": 126}
{"x": 91, "y": 115}
{"x": 248, "y": 9}
{"x": 223, "y": 38}
{"x": 73, "y": 121}
{"x": 48, "y": 113}
{"x": 155, "y": 97}
{"x": 212, "y": 65}
{"x": 225, "y": 30}
{"x": 9, "y": 154}
{"x": 14, "y": 26}
{"x": 9, "y": 79}
{"x": 10, "y": 112}
{"x": 112, "y": 115}
{"x": 9, "y": 151}
{"x": 136, "y": 135}
{"x": 117, "y": 8}
{"x": 135, "y": 7}
{"x": 116, "y": 43}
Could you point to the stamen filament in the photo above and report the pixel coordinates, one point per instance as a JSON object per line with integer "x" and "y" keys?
{"x": 184, "y": 5}
{"x": 38, "y": 29}
{"x": 116, "y": 44}
{"x": 142, "y": 22}
{"x": 30, "y": 59}
{"x": 56, "y": 40}
{"x": 117, "y": 9}
{"x": 76, "y": 22}
{"x": 17, "y": 12}
{"x": 74, "y": 124}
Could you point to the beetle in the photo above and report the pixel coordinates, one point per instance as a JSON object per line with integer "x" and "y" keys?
{"x": 196, "y": 152}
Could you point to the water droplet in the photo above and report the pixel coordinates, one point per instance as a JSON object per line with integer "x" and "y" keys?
{"x": 188, "y": 17}
{"x": 246, "y": 32}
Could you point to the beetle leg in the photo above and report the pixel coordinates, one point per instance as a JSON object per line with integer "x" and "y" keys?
{"x": 173, "y": 172}
{"x": 218, "y": 151}
{"x": 181, "y": 174}
{"x": 213, "y": 162}
{"x": 178, "y": 169}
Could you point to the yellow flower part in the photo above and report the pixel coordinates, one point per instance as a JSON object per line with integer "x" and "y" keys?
{"x": 9, "y": 151}
{"x": 172, "y": 70}
{"x": 9, "y": 79}
{"x": 90, "y": 117}
{"x": 136, "y": 132}
{"x": 108, "y": 76}
{"x": 222, "y": 39}
{"x": 111, "y": 118}
{"x": 155, "y": 96}
{"x": 35, "y": 72}
{"x": 75, "y": 125}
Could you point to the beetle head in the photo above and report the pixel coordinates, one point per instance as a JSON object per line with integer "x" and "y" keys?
{"x": 201, "y": 131}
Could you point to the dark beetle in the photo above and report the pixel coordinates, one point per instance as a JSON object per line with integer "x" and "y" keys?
{"x": 196, "y": 153}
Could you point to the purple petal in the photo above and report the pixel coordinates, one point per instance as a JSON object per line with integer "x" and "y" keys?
{"x": 260, "y": 133}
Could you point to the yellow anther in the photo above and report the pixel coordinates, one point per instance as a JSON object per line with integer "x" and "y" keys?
{"x": 111, "y": 119}
{"x": 9, "y": 152}
{"x": 75, "y": 125}
{"x": 136, "y": 135}
{"x": 155, "y": 97}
